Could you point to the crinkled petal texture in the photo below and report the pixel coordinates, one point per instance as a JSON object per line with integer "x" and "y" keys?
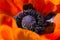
{"x": 7, "y": 20}
{"x": 21, "y": 34}
{"x": 8, "y": 26}
{"x": 6, "y": 33}
{"x": 10, "y": 31}
{"x": 56, "y": 34}
{"x": 57, "y": 24}
{"x": 14, "y": 6}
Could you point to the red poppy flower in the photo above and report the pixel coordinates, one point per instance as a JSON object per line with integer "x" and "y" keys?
{"x": 9, "y": 29}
